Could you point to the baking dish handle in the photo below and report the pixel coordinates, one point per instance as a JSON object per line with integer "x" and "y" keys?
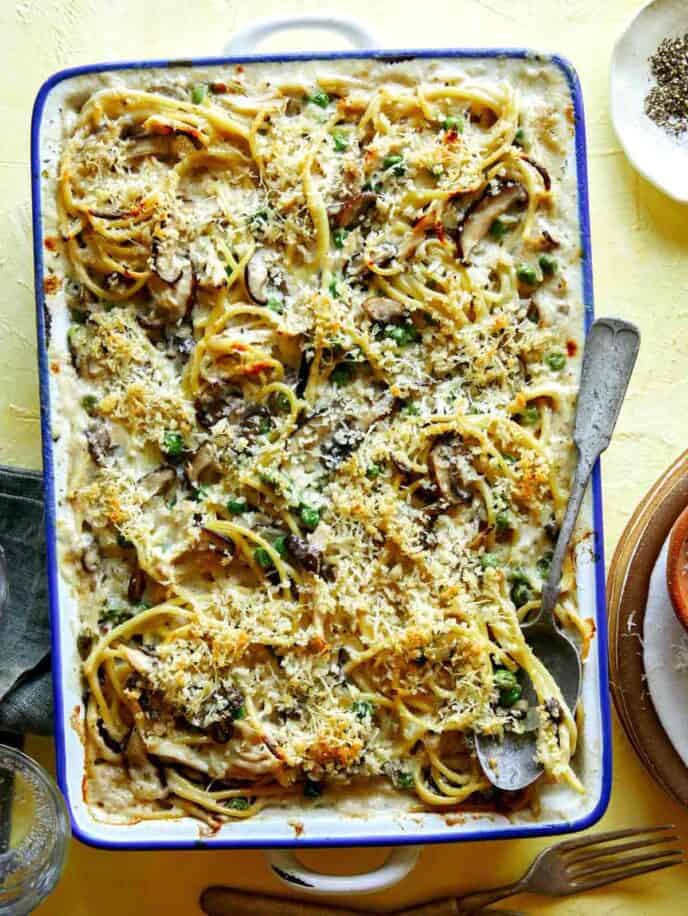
{"x": 246, "y": 40}
{"x": 288, "y": 869}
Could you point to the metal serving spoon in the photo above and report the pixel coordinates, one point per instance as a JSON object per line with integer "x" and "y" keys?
{"x": 611, "y": 349}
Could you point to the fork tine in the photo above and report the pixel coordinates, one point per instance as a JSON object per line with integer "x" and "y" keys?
{"x": 617, "y": 848}
{"x": 622, "y": 875}
{"x": 598, "y": 868}
{"x": 597, "y": 838}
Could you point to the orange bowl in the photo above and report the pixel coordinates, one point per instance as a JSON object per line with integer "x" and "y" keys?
{"x": 677, "y": 567}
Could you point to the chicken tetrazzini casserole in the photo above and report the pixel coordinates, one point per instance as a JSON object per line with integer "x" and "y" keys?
{"x": 315, "y": 346}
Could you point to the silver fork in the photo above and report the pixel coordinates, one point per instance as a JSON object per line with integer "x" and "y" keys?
{"x": 580, "y": 865}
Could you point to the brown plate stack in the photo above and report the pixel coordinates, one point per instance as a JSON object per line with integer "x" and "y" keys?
{"x": 627, "y": 589}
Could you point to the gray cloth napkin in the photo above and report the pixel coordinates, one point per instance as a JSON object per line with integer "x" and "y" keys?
{"x": 26, "y": 703}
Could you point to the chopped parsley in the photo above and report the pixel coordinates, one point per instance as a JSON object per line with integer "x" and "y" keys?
{"x": 319, "y": 98}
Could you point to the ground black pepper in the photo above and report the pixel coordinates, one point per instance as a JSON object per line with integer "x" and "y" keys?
{"x": 667, "y": 102}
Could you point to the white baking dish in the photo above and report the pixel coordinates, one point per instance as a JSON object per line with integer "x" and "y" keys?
{"x": 560, "y": 809}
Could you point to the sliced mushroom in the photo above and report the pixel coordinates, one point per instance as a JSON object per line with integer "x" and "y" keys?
{"x": 99, "y": 442}
{"x": 254, "y": 417}
{"x": 216, "y": 543}
{"x": 541, "y": 170}
{"x": 158, "y": 481}
{"x": 351, "y": 431}
{"x": 380, "y": 308}
{"x": 304, "y": 374}
{"x": 111, "y": 743}
{"x": 137, "y": 585}
{"x": 221, "y": 732}
{"x": 90, "y": 558}
{"x": 480, "y": 215}
{"x": 150, "y": 321}
{"x": 256, "y": 278}
{"x": 138, "y": 147}
{"x": 353, "y": 209}
{"x": 170, "y": 299}
{"x": 443, "y": 465}
{"x": 306, "y": 554}
{"x": 202, "y": 462}
{"x": 547, "y": 242}
{"x": 166, "y": 260}
{"x": 218, "y": 402}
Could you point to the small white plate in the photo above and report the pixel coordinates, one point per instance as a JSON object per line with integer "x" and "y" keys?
{"x": 659, "y": 157}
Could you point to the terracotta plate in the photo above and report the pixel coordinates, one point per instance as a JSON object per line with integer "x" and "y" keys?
{"x": 627, "y": 588}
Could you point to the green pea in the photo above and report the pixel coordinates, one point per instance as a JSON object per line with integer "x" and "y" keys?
{"x": 312, "y": 789}
{"x": 310, "y": 517}
{"x": 402, "y": 334}
{"x": 238, "y": 804}
{"x": 262, "y": 558}
{"x": 320, "y": 98}
{"x": 520, "y": 594}
{"x": 341, "y": 141}
{"x": 89, "y": 402}
{"x": 454, "y": 122}
{"x": 544, "y": 564}
{"x": 239, "y": 713}
{"x": 530, "y": 415}
{"x": 498, "y": 229}
{"x": 339, "y": 237}
{"x": 172, "y": 443}
{"x": 373, "y": 471}
{"x": 505, "y": 679}
{"x": 265, "y": 426}
{"x": 411, "y": 409}
{"x": 342, "y": 374}
{"x": 237, "y": 506}
{"x": 527, "y": 274}
{"x": 282, "y": 401}
{"x": 548, "y": 264}
{"x": 556, "y": 360}
{"x": 503, "y": 521}
{"x": 489, "y": 561}
{"x": 508, "y": 697}
{"x": 198, "y": 93}
{"x": 517, "y": 575}
{"x": 280, "y": 544}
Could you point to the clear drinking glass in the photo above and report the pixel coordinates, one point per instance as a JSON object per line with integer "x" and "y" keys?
{"x": 34, "y": 833}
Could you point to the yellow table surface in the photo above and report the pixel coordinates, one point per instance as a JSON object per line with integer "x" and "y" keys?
{"x": 640, "y": 243}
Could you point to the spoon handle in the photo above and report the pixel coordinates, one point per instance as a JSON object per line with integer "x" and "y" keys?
{"x": 611, "y": 349}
